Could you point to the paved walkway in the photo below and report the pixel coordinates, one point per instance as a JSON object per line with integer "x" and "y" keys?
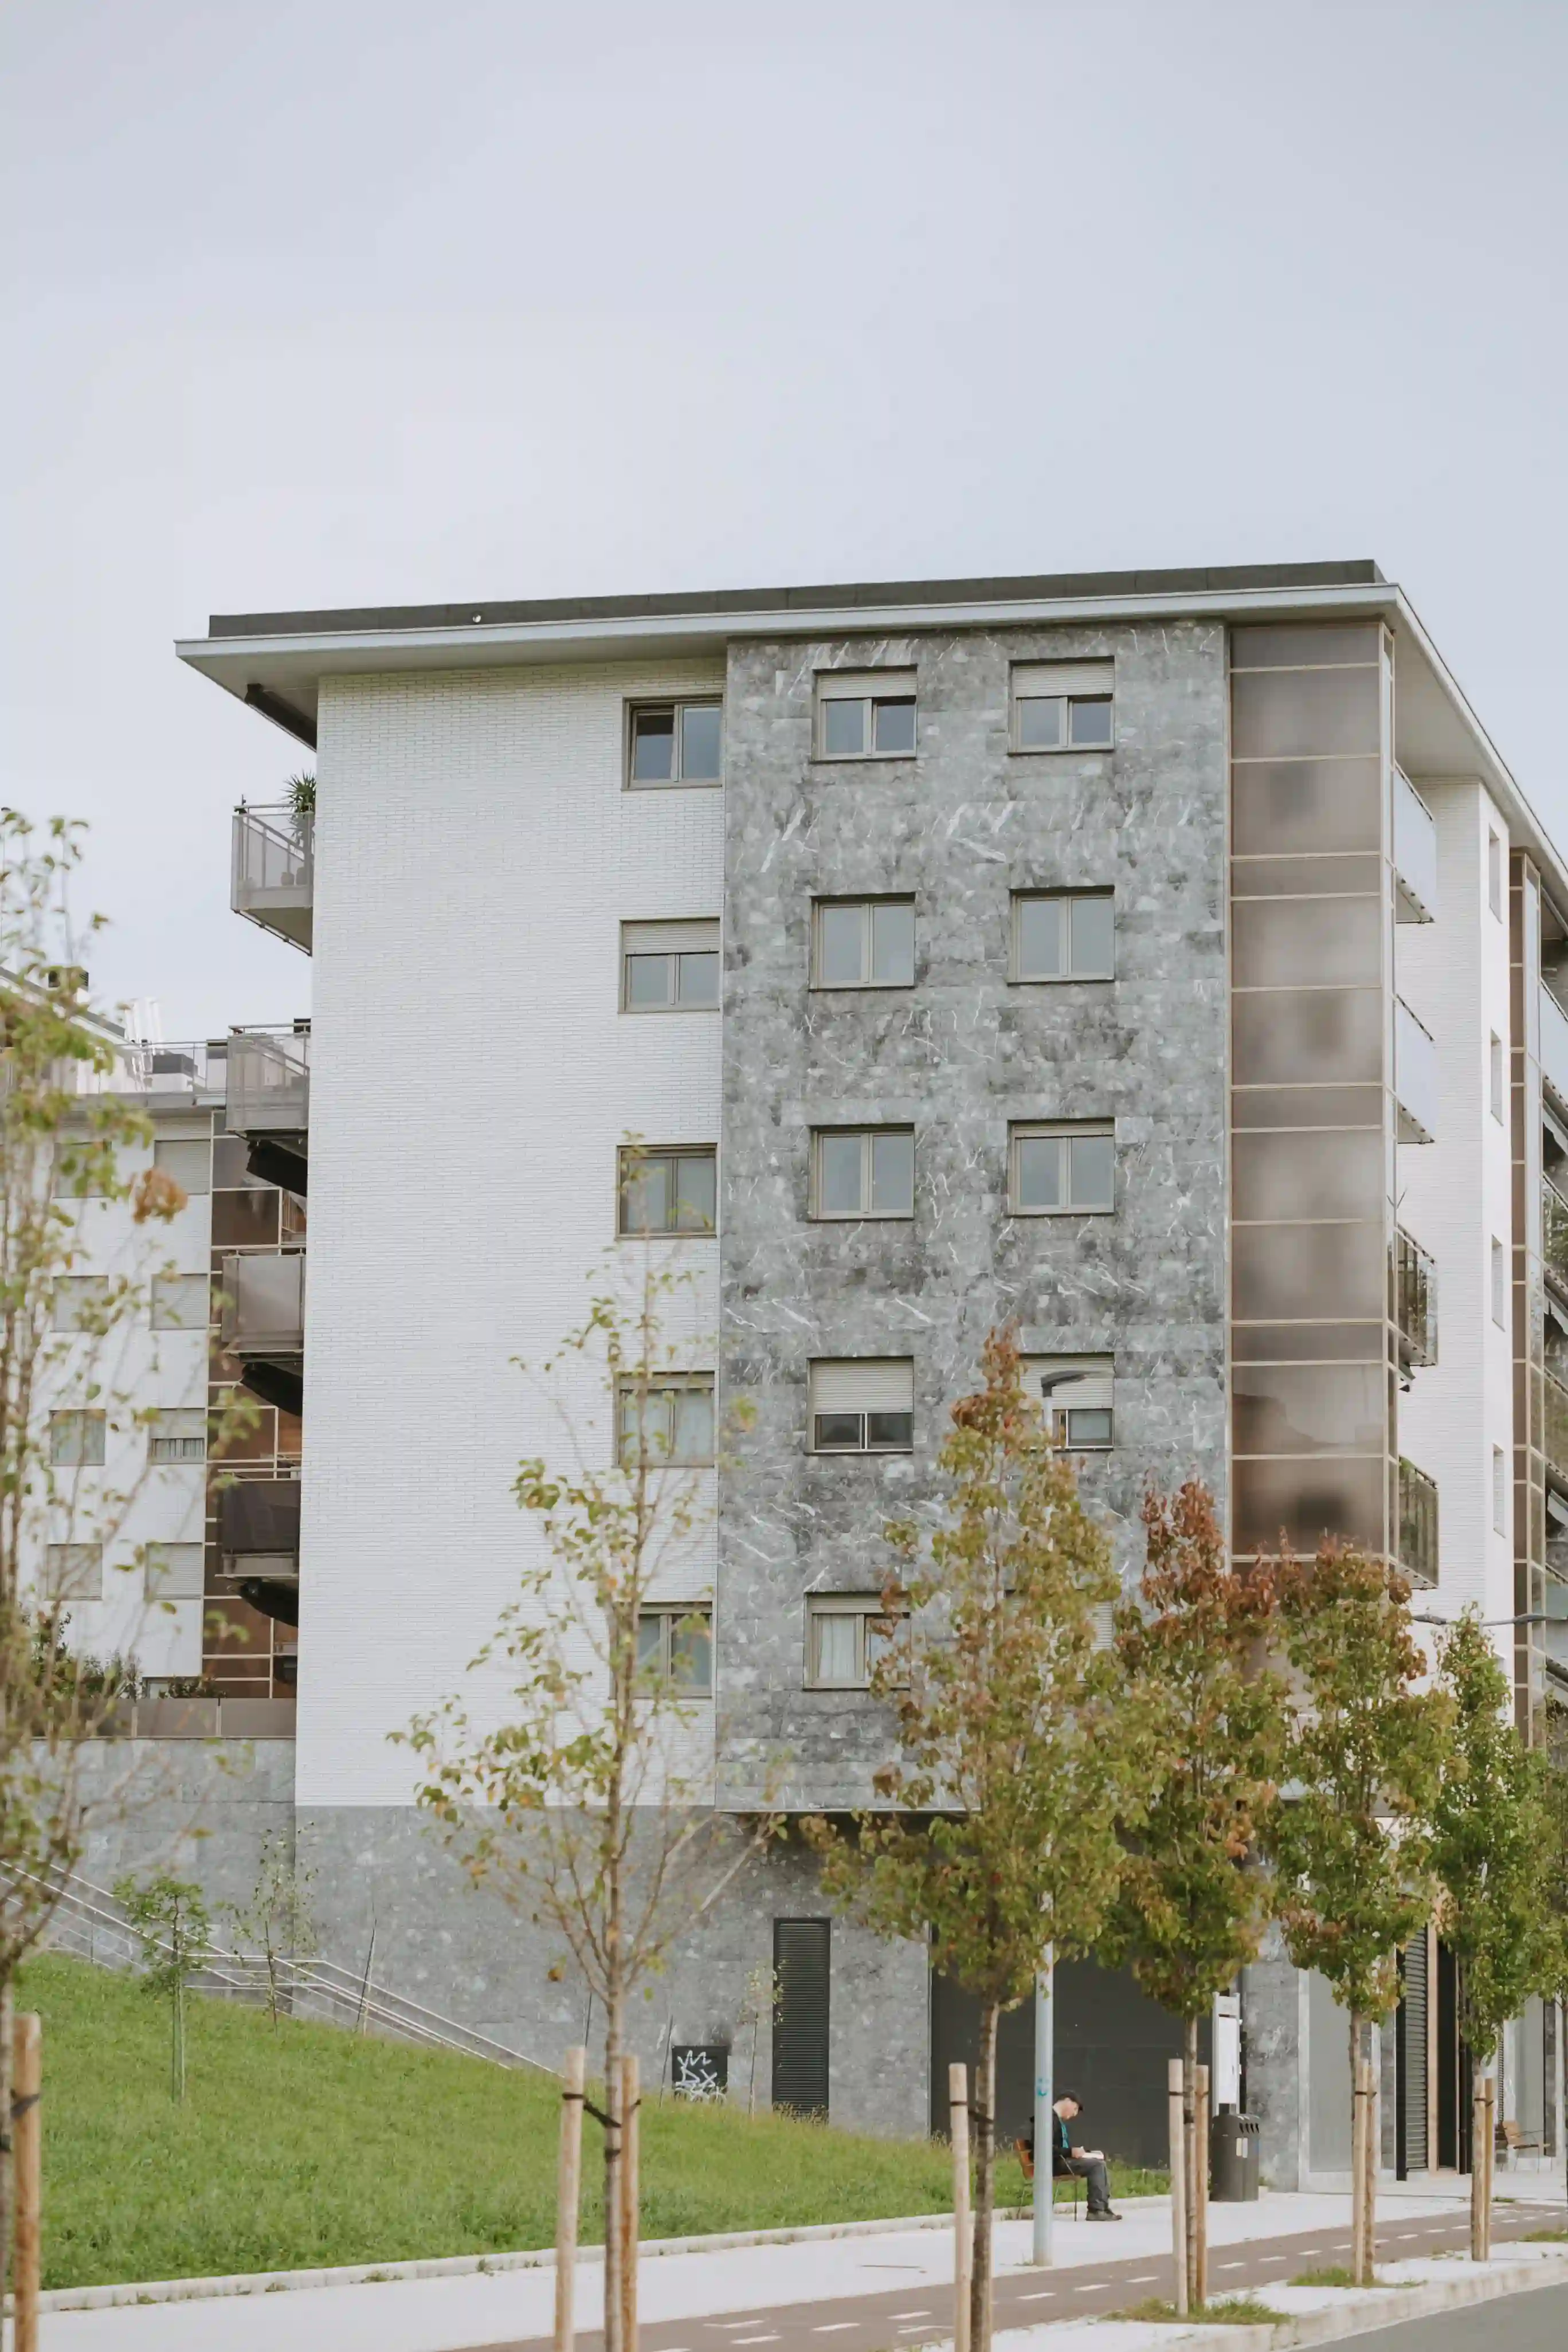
{"x": 842, "y": 2294}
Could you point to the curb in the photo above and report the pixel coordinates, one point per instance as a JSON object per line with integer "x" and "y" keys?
{"x": 1374, "y": 2310}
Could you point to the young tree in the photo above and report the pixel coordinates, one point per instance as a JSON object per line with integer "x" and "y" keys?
{"x": 588, "y": 1800}
{"x": 994, "y": 1833}
{"x": 1492, "y": 1850}
{"x": 1193, "y": 1901}
{"x": 171, "y": 1924}
{"x": 1351, "y": 1845}
{"x": 760, "y": 1999}
{"x": 66, "y": 1383}
{"x": 277, "y": 1922}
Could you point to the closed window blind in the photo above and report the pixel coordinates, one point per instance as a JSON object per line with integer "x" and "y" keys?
{"x": 1070, "y": 1382}
{"x": 802, "y": 1971}
{"x": 864, "y": 1384}
{"x": 857, "y": 684}
{"x": 1030, "y": 678}
{"x": 670, "y": 939}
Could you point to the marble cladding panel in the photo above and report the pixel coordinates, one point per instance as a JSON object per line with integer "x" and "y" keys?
{"x": 961, "y": 1054}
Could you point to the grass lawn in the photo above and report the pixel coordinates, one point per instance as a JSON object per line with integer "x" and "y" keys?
{"x": 305, "y": 2145}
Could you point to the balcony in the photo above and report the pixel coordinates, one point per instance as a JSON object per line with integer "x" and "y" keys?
{"x": 273, "y": 875}
{"x": 187, "y": 1072}
{"x": 1414, "y": 1076}
{"x": 1554, "y": 1046}
{"x": 1417, "y": 1532}
{"x": 268, "y": 1082}
{"x": 1555, "y": 1237}
{"x": 259, "y": 1528}
{"x": 1414, "y": 853}
{"x": 263, "y": 1325}
{"x": 1555, "y": 1428}
{"x": 1414, "y": 1302}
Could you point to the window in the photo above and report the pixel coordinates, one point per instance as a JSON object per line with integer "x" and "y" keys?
{"x": 669, "y": 1192}
{"x": 677, "y": 1421}
{"x": 1494, "y": 875}
{"x": 173, "y": 1571}
{"x": 188, "y": 1159}
{"x": 1497, "y": 1076}
{"x": 81, "y": 1302}
{"x": 863, "y": 1172}
{"x": 670, "y": 967}
{"x": 847, "y": 1633}
{"x": 675, "y": 743}
{"x": 1063, "y": 1170}
{"x": 88, "y": 1168}
{"x": 1063, "y": 935}
{"x": 864, "y": 1404}
{"x": 1062, "y": 705}
{"x": 1077, "y": 1394}
{"x": 181, "y": 1302}
{"x": 865, "y": 714}
{"x": 863, "y": 944}
{"x": 1499, "y": 1491}
{"x": 676, "y": 1646}
{"x": 73, "y": 1571}
{"x": 179, "y": 1434}
{"x": 1499, "y": 1284}
{"x": 75, "y": 1440}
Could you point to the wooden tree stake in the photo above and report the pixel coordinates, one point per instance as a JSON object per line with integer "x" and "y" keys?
{"x": 1358, "y": 2173}
{"x": 958, "y": 2123}
{"x": 26, "y": 2158}
{"x": 568, "y": 2181}
{"x": 630, "y": 2103}
{"x": 1200, "y": 2160}
{"x": 1178, "y": 2185}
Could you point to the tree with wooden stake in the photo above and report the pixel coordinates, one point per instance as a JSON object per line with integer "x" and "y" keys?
{"x": 585, "y": 1794}
{"x": 1350, "y": 1844}
{"x": 170, "y": 1922}
{"x": 994, "y": 1834}
{"x": 1491, "y": 1848}
{"x": 1192, "y": 1903}
{"x": 276, "y": 1923}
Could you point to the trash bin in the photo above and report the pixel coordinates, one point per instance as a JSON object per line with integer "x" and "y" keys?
{"x": 1233, "y": 2159}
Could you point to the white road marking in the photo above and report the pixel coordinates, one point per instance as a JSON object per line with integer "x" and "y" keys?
{"x": 834, "y": 2327}
{"x": 1092, "y": 2288}
{"x": 1230, "y": 2266}
{"x": 1044, "y": 2294}
{"x": 1142, "y": 2278}
{"x": 756, "y": 2339}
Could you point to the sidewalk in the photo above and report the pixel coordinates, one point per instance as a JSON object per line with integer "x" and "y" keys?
{"x": 451, "y": 2315}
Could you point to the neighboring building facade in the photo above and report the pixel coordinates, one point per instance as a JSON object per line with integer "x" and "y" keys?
{"x": 1166, "y": 963}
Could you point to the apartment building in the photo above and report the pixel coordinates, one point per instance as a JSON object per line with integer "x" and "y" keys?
{"x": 1165, "y": 962}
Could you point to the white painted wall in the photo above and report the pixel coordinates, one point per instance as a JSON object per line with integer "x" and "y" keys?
{"x": 472, "y": 1076}
{"x": 1453, "y": 1196}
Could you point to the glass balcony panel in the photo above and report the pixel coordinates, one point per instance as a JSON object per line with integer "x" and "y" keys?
{"x": 1554, "y": 1236}
{"x": 259, "y": 1516}
{"x": 1356, "y": 875}
{"x": 1308, "y": 1343}
{"x": 1307, "y": 942}
{"x": 1307, "y": 1500}
{"x": 1309, "y": 1176}
{"x": 268, "y": 1082}
{"x": 1309, "y": 1409}
{"x": 273, "y": 872}
{"x": 1293, "y": 1107}
{"x": 1554, "y": 1434}
{"x": 1281, "y": 805}
{"x": 1307, "y": 1036}
{"x": 1555, "y": 1045}
{"x": 1416, "y": 1300}
{"x": 1417, "y": 1534}
{"x": 1414, "y": 1076}
{"x": 1292, "y": 645}
{"x": 1415, "y": 852}
{"x": 263, "y": 1305}
{"x": 1285, "y": 1273}
{"x": 1304, "y": 714}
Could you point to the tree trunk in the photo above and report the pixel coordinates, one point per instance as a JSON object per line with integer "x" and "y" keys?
{"x": 1190, "y": 2147}
{"x": 985, "y": 2121}
{"x": 8, "y": 2024}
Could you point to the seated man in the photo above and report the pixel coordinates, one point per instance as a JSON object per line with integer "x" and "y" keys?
{"x": 1088, "y": 2163}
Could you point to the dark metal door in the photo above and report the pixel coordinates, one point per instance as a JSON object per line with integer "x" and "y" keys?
{"x": 802, "y": 1957}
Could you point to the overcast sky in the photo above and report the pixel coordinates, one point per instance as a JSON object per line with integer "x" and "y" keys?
{"x": 336, "y": 301}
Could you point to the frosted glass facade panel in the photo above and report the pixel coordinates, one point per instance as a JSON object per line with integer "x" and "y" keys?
{"x": 1305, "y": 1501}
{"x": 1292, "y": 645}
{"x": 1355, "y": 874}
{"x": 1305, "y": 1273}
{"x": 1308, "y": 1343}
{"x": 1306, "y": 806}
{"x": 1307, "y": 1106}
{"x": 1309, "y": 1409}
{"x": 1308, "y": 1037}
{"x": 1305, "y": 713}
{"x": 1291, "y": 942}
{"x": 1309, "y": 1176}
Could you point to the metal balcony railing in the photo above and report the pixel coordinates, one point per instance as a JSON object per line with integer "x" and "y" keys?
{"x": 263, "y": 1305}
{"x": 1414, "y": 1076}
{"x": 1417, "y": 1523}
{"x": 1555, "y": 1045}
{"x": 188, "y": 1070}
{"x": 1415, "y": 852}
{"x": 258, "y": 1527}
{"x": 1554, "y": 1431}
{"x": 273, "y": 877}
{"x": 1414, "y": 1300}
{"x": 1554, "y": 1236}
{"x": 268, "y": 1082}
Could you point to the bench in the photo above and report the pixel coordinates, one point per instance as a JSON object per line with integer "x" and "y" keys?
{"x": 1513, "y": 2140}
{"x": 1027, "y": 2162}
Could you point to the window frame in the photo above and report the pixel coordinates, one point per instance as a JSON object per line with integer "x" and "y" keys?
{"x": 678, "y": 704}
{"x": 665, "y": 1383}
{"x": 867, "y": 1136}
{"x": 864, "y": 1608}
{"x": 674, "y": 1152}
{"x": 672, "y": 957}
{"x": 671, "y": 1615}
{"x": 867, "y": 908}
{"x": 1068, "y": 699}
{"x": 1060, "y": 1415}
{"x": 85, "y": 1418}
{"x": 181, "y": 1461}
{"x": 58, "y": 1590}
{"x": 1021, "y": 1131}
{"x": 1070, "y": 896}
{"x": 163, "y": 1280}
{"x": 869, "y": 703}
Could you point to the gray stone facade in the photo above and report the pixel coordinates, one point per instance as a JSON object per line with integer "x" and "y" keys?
{"x": 965, "y": 1051}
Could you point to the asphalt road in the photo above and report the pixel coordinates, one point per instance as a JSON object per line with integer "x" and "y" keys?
{"x": 899, "y": 2320}
{"x": 1537, "y": 2321}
